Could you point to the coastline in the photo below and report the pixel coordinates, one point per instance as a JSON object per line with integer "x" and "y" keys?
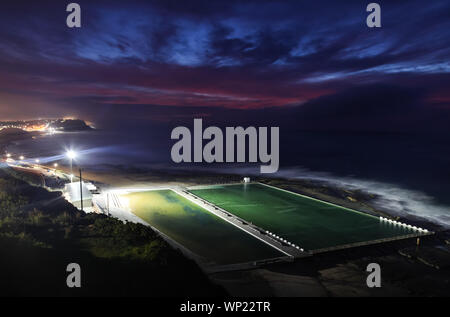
{"x": 119, "y": 176}
{"x": 335, "y": 273}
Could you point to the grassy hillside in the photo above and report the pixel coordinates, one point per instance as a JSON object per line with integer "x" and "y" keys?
{"x": 40, "y": 234}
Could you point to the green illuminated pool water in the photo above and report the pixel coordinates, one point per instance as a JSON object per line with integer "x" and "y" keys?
{"x": 309, "y": 223}
{"x": 198, "y": 230}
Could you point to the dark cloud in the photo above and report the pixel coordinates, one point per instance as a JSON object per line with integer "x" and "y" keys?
{"x": 225, "y": 54}
{"x": 370, "y": 108}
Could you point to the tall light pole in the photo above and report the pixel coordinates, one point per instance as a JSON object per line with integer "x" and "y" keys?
{"x": 81, "y": 190}
{"x": 71, "y": 155}
{"x": 107, "y": 203}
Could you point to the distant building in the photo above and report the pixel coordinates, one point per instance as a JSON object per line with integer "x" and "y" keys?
{"x": 246, "y": 179}
{"x": 72, "y": 194}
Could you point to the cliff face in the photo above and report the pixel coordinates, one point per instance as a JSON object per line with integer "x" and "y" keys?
{"x": 71, "y": 125}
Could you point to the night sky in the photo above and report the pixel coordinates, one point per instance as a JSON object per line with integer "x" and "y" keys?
{"x": 314, "y": 63}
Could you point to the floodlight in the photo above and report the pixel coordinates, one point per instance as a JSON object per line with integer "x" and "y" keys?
{"x": 71, "y": 154}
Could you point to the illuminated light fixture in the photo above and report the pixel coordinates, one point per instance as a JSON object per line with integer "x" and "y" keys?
{"x": 21, "y": 157}
{"x": 55, "y": 165}
{"x": 71, "y": 154}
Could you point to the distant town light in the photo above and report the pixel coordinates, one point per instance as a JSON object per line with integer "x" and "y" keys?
{"x": 8, "y": 155}
{"x": 36, "y": 160}
{"x": 21, "y": 157}
{"x": 55, "y": 165}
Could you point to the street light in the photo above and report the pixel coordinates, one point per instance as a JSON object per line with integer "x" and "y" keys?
{"x": 21, "y": 157}
{"x": 55, "y": 165}
{"x": 71, "y": 155}
{"x": 8, "y": 155}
